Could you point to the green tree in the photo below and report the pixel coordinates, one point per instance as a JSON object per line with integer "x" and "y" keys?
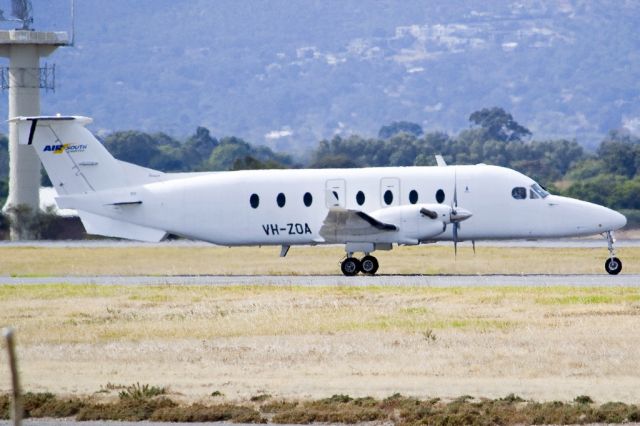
{"x": 4, "y": 191}
{"x": 620, "y": 153}
{"x": 499, "y": 125}
{"x": 333, "y": 161}
{"x": 234, "y": 152}
{"x": 586, "y": 168}
{"x": 396, "y": 127}
{"x": 4, "y": 157}
{"x": 197, "y": 149}
{"x": 250, "y": 163}
{"x": 157, "y": 151}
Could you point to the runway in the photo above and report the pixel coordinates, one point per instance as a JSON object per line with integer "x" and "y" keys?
{"x": 599, "y": 280}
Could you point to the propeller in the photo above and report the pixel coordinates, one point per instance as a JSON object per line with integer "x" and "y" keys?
{"x": 454, "y": 212}
{"x": 457, "y": 214}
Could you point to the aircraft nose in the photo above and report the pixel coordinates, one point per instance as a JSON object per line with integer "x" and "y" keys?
{"x": 614, "y": 220}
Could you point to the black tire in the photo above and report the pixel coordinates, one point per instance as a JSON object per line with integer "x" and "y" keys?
{"x": 369, "y": 265}
{"x": 350, "y": 266}
{"x": 613, "y": 265}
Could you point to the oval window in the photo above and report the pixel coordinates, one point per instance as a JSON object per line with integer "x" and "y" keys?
{"x": 388, "y": 197}
{"x": 439, "y": 196}
{"x": 360, "y": 198}
{"x": 413, "y": 196}
{"x": 254, "y": 200}
{"x": 519, "y": 193}
{"x": 308, "y": 199}
{"x": 281, "y": 200}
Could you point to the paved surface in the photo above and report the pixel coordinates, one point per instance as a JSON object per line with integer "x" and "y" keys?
{"x": 623, "y": 280}
{"x": 587, "y": 242}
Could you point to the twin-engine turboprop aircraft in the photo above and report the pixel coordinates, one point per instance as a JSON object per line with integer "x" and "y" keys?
{"x": 364, "y": 209}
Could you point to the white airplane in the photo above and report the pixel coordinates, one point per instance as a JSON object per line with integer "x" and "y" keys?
{"x": 365, "y": 209}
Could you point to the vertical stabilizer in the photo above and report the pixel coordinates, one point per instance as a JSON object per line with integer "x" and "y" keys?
{"x": 74, "y": 159}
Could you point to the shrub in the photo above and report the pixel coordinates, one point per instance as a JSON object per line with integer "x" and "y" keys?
{"x": 138, "y": 391}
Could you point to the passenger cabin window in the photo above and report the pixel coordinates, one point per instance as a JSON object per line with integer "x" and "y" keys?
{"x": 439, "y": 196}
{"x": 413, "y": 196}
{"x": 307, "y": 199}
{"x": 281, "y": 199}
{"x": 360, "y": 198}
{"x": 519, "y": 193}
{"x": 388, "y": 197}
{"x": 254, "y": 200}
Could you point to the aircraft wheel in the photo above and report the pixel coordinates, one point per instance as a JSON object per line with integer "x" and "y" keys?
{"x": 350, "y": 266}
{"x": 613, "y": 265}
{"x": 369, "y": 265}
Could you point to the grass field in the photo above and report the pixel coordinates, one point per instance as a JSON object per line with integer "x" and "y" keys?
{"x": 300, "y": 342}
{"x": 167, "y": 260}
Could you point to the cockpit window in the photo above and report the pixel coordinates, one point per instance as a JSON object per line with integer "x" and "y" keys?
{"x": 519, "y": 193}
{"x": 541, "y": 192}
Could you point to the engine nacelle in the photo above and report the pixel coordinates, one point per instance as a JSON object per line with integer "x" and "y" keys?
{"x": 416, "y": 222}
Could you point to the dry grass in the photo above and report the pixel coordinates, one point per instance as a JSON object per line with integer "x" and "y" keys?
{"x": 167, "y": 260}
{"x": 396, "y": 409}
{"x": 301, "y": 342}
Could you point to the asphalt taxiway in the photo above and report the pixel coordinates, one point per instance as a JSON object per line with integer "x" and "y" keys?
{"x": 599, "y": 280}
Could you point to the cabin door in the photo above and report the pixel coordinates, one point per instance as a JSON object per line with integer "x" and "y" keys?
{"x": 335, "y": 193}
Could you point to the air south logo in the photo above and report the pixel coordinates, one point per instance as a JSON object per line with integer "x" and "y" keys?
{"x": 59, "y": 149}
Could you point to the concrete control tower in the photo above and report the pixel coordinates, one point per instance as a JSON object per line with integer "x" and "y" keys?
{"x": 24, "y": 78}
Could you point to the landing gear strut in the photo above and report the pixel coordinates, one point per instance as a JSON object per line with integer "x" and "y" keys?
{"x": 351, "y": 265}
{"x": 612, "y": 265}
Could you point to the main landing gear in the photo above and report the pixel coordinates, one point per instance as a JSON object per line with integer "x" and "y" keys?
{"x": 612, "y": 265}
{"x": 368, "y": 265}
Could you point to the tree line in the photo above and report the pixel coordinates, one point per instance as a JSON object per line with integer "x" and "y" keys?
{"x": 608, "y": 176}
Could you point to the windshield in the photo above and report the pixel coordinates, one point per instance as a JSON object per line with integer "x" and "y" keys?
{"x": 539, "y": 190}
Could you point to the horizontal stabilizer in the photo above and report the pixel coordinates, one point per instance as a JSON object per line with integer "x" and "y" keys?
{"x": 96, "y": 201}
{"x": 100, "y": 225}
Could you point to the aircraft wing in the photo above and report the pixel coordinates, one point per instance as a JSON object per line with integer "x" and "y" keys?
{"x": 341, "y": 224}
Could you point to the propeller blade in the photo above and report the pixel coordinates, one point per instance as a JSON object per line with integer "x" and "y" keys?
{"x": 473, "y": 244}
{"x": 455, "y": 187}
{"x": 454, "y": 212}
{"x": 455, "y": 238}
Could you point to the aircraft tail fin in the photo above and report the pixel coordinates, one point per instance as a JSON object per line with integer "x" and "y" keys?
{"x": 74, "y": 159}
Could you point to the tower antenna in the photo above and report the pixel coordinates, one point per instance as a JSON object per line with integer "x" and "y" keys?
{"x": 24, "y": 77}
{"x": 22, "y": 12}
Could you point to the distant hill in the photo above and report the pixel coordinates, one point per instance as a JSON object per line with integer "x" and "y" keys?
{"x": 288, "y": 74}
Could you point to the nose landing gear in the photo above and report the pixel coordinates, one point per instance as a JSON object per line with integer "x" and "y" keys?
{"x": 612, "y": 265}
